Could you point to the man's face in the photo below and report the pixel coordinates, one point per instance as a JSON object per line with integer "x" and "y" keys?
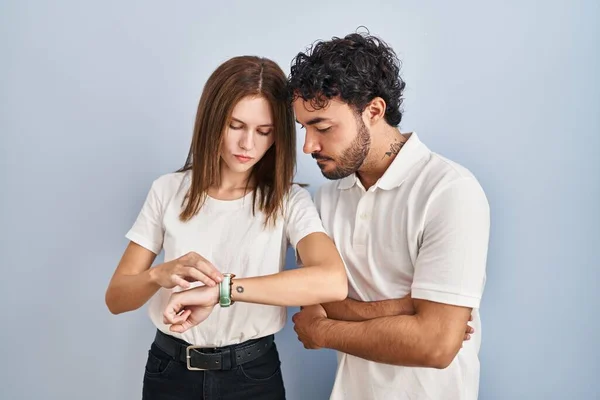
{"x": 335, "y": 136}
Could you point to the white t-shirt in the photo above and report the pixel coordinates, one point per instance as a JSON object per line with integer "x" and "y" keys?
{"x": 423, "y": 229}
{"x": 229, "y": 236}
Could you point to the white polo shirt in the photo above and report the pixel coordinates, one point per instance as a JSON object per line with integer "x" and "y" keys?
{"x": 423, "y": 228}
{"x": 228, "y": 235}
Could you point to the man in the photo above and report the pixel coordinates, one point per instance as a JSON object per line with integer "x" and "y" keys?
{"x": 406, "y": 221}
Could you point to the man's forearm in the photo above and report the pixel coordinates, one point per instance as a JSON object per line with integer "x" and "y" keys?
{"x": 355, "y": 310}
{"x": 399, "y": 340}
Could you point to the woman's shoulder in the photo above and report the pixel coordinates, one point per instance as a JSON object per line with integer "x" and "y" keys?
{"x": 168, "y": 185}
{"x": 298, "y": 190}
{"x": 298, "y": 195}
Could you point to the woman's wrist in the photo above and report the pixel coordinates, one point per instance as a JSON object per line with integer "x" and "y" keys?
{"x": 203, "y": 296}
{"x": 215, "y": 291}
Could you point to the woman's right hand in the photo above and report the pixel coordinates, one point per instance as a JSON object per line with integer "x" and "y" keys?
{"x": 191, "y": 267}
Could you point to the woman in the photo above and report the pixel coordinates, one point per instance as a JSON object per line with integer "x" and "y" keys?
{"x": 232, "y": 209}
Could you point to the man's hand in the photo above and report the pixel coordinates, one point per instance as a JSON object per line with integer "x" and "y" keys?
{"x": 470, "y": 330}
{"x": 305, "y": 324}
{"x": 191, "y": 267}
{"x": 190, "y": 307}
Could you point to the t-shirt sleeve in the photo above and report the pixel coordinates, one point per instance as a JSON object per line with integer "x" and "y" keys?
{"x": 451, "y": 265}
{"x": 148, "y": 230}
{"x": 301, "y": 216}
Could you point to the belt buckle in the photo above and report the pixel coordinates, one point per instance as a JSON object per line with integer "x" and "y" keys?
{"x": 188, "y": 358}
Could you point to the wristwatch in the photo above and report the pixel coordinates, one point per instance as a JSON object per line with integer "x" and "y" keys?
{"x": 225, "y": 290}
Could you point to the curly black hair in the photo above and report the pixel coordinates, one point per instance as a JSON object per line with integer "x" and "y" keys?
{"x": 357, "y": 68}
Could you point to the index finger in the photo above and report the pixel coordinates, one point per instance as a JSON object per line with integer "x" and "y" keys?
{"x": 208, "y": 269}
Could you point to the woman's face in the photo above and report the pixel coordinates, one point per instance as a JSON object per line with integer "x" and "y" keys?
{"x": 249, "y": 134}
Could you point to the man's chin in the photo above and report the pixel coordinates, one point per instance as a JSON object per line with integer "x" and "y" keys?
{"x": 335, "y": 174}
{"x": 330, "y": 170}
{"x": 330, "y": 177}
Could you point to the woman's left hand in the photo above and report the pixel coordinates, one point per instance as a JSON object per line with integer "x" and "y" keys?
{"x": 190, "y": 307}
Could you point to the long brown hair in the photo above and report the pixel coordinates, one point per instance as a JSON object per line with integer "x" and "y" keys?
{"x": 233, "y": 80}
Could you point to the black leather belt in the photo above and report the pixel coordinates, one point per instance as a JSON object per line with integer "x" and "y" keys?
{"x": 220, "y": 358}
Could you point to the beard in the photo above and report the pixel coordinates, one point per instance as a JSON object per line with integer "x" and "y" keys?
{"x": 352, "y": 158}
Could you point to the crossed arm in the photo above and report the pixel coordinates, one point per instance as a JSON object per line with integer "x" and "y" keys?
{"x": 355, "y": 310}
{"x": 388, "y": 331}
{"x": 449, "y": 275}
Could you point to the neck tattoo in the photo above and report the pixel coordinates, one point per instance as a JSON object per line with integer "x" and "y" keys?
{"x": 394, "y": 149}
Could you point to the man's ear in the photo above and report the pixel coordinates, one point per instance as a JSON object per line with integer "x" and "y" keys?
{"x": 375, "y": 110}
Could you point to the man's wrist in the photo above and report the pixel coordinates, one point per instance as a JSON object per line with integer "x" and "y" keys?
{"x": 404, "y": 306}
{"x": 322, "y": 329}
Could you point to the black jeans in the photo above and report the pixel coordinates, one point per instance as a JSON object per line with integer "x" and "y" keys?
{"x": 168, "y": 379}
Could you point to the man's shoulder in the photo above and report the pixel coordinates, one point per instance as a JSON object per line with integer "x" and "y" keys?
{"x": 327, "y": 191}
{"x": 439, "y": 171}
{"x": 442, "y": 176}
{"x": 442, "y": 166}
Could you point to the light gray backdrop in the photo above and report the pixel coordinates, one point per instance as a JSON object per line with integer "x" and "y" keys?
{"x": 98, "y": 98}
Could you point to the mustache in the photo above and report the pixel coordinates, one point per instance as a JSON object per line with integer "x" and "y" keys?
{"x": 318, "y": 156}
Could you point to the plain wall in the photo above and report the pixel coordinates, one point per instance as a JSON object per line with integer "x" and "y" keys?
{"x": 98, "y": 99}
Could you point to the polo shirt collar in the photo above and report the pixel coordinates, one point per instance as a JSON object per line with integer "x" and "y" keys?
{"x": 411, "y": 153}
